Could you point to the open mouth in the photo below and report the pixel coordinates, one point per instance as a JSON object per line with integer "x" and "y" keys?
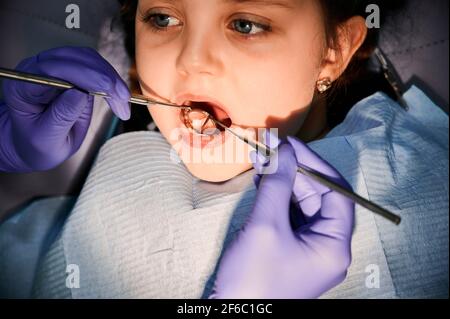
{"x": 202, "y": 117}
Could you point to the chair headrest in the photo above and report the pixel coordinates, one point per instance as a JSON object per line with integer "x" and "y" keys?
{"x": 416, "y": 43}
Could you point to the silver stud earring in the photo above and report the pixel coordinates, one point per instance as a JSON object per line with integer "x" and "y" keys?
{"x": 323, "y": 85}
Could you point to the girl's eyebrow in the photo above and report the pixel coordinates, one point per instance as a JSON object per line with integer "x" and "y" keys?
{"x": 277, "y": 3}
{"x": 286, "y": 4}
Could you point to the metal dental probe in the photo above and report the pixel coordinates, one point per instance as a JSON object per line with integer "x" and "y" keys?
{"x": 37, "y": 79}
{"x": 320, "y": 178}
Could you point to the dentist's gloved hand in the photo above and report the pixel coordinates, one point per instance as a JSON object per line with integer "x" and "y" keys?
{"x": 296, "y": 241}
{"x": 42, "y": 126}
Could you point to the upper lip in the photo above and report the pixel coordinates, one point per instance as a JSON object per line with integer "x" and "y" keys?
{"x": 218, "y": 107}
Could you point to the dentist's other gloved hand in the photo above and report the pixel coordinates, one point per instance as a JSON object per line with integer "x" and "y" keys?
{"x": 42, "y": 126}
{"x": 296, "y": 241}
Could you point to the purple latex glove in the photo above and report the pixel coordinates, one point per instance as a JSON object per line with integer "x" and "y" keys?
{"x": 296, "y": 241}
{"x": 42, "y": 126}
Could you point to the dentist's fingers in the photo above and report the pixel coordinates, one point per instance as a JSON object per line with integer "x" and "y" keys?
{"x": 305, "y": 193}
{"x": 336, "y": 219}
{"x": 308, "y": 193}
{"x": 259, "y": 160}
{"x": 71, "y": 110}
{"x": 25, "y": 97}
{"x": 274, "y": 193}
{"x": 81, "y": 126}
{"x": 86, "y": 69}
{"x": 85, "y": 55}
{"x": 88, "y": 59}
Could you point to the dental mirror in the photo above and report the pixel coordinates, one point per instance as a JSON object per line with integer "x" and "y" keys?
{"x": 202, "y": 122}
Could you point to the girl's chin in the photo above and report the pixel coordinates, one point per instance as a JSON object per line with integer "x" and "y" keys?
{"x": 217, "y": 172}
{"x": 217, "y": 163}
{"x": 216, "y": 160}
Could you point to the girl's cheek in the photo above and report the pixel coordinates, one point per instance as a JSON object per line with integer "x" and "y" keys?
{"x": 152, "y": 66}
{"x": 277, "y": 94}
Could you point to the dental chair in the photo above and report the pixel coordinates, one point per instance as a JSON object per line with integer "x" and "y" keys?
{"x": 418, "y": 48}
{"x": 419, "y": 53}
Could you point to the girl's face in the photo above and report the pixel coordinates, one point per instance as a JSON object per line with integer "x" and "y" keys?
{"x": 255, "y": 62}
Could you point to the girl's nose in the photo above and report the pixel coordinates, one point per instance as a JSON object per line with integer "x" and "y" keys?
{"x": 199, "y": 55}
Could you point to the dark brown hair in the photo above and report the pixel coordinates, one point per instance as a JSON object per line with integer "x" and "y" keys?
{"x": 356, "y": 82}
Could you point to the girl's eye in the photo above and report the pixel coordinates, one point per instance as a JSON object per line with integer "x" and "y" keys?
{"x": 248, "y": 27}
{"x": 161, "y": 21}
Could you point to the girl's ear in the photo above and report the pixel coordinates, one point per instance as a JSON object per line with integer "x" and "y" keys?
{"x": 351, "y": 35}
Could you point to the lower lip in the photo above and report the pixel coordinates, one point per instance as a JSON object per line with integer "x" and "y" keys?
{"x": 195, "y": 140}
